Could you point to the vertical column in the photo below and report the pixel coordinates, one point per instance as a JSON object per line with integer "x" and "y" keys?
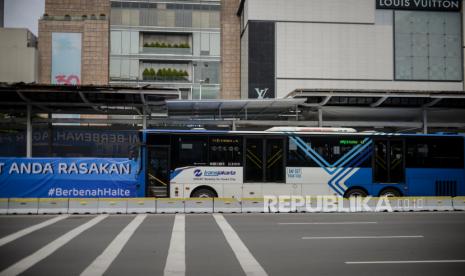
{"x": 144, "y": 118}
{"x": 425, "y": 121}
{"x": 320, "y": 117}
{"x": 463, "y": 42}
{"x": 29, "y": 132}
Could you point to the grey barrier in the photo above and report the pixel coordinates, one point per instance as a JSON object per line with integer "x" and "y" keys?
{"x": 287, "y": 204}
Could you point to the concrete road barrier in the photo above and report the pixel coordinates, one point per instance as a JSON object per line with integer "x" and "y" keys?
{"x": 439, "y": 203}
{"x": 141, "y": 205}
{"x": 53, "y": 206}
{"x": 83, "y": 206}
{"x": 226, "y": 205}
{"x": 198, "y": 205}
{"x": 459, "y": 203}
{"x": 112, "y": 205}
{"x": 3, "y": 206}
{"x": 23, "y": 206}
{"x": 403, "y": 204}
{"x": 170, "y": 205}
{"x": 254, "y": 205}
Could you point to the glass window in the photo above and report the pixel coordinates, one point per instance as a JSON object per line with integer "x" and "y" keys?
{"x": 329, "y": 149}
{"x": 115, "y": 41}
{"x": 209, "y": 92}
{"x": 115, "y": 68}
{"x": 134, "y": 42}
{"x": 133, "y": 69}
{"x": 435, "y": 152}
{"x": 205, "y": 19}
{"x": 116, "y": 16}
{"x": 134, "y": 17}
{"x": 215, "y": 44}
{"x": 125, "y": 42}
{"x": 225, "y": 151}
{"x": 125, "y": 16}
{"x": 427, "y": 46}
{"x": 214, "y": 19}
{"x": 191, "y": 151}
{"x": 125, "y": 69}
{"x": 205, "y": 44}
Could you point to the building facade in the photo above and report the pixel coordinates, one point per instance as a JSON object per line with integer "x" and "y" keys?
{"x": 170, "y": 43}
{"x": 18, "y": 55}
{"x": 73, "y": 42}
{"x": 350, "y": 44}
{"x": 230, "y": 50}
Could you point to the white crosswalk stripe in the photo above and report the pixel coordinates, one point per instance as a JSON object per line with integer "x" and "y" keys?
{"x": 30, "y": 229}
{"x": 102, "y": 262}
{"x": 247, "y": 261}
{"x": 176, "y": 260}
{"x": 47, "y": 250}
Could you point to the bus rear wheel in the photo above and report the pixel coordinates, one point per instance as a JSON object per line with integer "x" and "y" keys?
{"x": 356, "y": 193}
{"x": 390, "y": 193}
{"x": 203, "y": 193}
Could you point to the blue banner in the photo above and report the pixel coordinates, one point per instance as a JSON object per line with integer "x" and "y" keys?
{"x": 68, "y": 177}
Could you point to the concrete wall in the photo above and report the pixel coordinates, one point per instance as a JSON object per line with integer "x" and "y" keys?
{"x": 77, "y": 7}
{"x": 334, "y": 51}
{"x": 341, "y": 11}
{"x": 19, "y": 63}
{"x": 342, "y": 56}
{"x": 95, "y": 38}
{"x": 230, "y": 50}
{"x": 245, "y": 64}
{"x": 334, "y": 44}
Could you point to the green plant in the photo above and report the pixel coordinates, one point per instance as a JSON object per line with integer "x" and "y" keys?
{"x": 152, "y": 72}
{"x": 146, "y": 72}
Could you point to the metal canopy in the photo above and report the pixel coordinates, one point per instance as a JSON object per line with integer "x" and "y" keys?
{"x": 84, "y": 99}
{"x": 380, "y": 98}
{"x": 248, "y": 109}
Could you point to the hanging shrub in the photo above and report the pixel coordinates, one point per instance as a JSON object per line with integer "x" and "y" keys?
{"x": 146, "y": 73}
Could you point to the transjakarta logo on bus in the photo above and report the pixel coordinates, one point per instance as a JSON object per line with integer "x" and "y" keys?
{"x": 198, "y": 173}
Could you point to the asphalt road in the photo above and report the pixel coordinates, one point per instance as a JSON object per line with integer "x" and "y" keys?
{"x": 235, "y": 244}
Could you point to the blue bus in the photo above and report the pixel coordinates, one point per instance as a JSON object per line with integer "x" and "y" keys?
{"x": 247, "y": 164}
{"x": 300, "y": 161}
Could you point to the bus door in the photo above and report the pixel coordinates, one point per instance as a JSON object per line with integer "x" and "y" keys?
{"x": 389, "y": 160}
{"x": 158, "y": 171}
{"x": 264, "y": 160}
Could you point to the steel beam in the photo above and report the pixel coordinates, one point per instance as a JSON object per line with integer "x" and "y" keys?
{"x": 29, "y": 131}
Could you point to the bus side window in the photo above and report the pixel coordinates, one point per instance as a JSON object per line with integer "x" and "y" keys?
{"x": 225, "y": 151}
{"x": 191, "y": 151}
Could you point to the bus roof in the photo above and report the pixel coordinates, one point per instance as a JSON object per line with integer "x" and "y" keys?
{"x": 369, "y": 133}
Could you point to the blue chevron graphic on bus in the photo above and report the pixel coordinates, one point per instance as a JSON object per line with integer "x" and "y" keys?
{"x": 330, "y": 168}
{"x": 344, "y": 167}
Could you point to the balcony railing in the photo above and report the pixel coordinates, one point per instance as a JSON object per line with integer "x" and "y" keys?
{"x": 167, "y": 51}
{"x": 165, "y": 79}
